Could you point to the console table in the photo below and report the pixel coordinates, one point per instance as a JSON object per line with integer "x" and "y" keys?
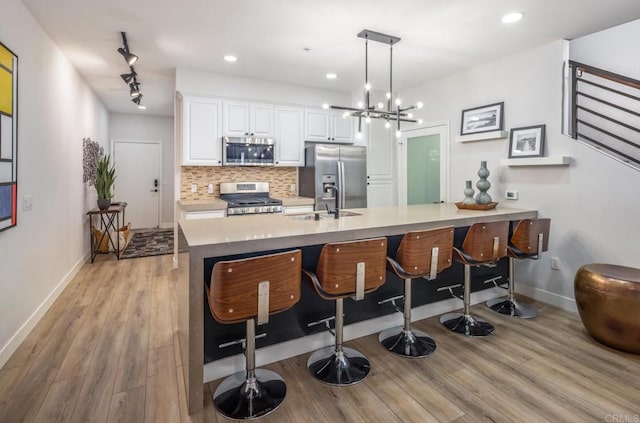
{"x": 109, "y": 220}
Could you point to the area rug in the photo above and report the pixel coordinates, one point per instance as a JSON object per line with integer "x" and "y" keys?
{"x": 149, "y": 242}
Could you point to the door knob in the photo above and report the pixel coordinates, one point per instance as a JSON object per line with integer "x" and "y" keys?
{"x": 153, "y": 190}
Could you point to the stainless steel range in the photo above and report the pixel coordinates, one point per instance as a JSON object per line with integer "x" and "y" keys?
{"x": 248, "y": 198}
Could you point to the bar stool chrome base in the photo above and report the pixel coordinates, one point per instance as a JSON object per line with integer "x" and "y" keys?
{"x": 511, "y": 307}
{"x": 239, "y": 398}
{"x": 467, "y": 325}
{"x": 407, "y": 343}
{"x": 343, "y": 368}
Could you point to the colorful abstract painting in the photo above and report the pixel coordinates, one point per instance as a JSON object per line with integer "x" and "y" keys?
{"x": 8, "y": 137}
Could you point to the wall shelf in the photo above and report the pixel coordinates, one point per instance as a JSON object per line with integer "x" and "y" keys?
{"x": 493, "y": 135}
{"x": 538, "y": 161}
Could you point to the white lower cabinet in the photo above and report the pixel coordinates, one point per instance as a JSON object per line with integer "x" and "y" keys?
{"x": 380, "y": 193}
{"x": 297, "y": 209}
{"x": 203, "y": 214}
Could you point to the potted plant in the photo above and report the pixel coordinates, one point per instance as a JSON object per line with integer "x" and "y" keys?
{"x": 105, "y": 177}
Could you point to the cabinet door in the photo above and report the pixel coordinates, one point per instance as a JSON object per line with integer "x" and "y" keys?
{"x": 235, "y": 117}
{"x": 261, "y": 120}
{"x": 317, "y": 126}
{"x": 380, "y": 194}
{"x": 202, "y": 136}
{"x": 289, "y": 136}
{"x": 342, "y": 128}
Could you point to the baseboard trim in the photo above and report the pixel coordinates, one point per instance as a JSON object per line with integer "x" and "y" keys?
{"x": 12, "y": 345}
{"x": 272, "y": 353}
{"x": 166, "y": 225}
{"x": 565, "y": 303}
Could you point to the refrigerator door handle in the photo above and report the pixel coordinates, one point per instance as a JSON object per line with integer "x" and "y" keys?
{"x": 341, "y": 181}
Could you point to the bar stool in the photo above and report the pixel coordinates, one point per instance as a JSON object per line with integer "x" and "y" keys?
{"x": 251, "y": 290}
{"x": 346, "y": 269}
{"x": 484, "y": 245}
{"x": 421, "y": 254}
{"x": 529, "y": 240}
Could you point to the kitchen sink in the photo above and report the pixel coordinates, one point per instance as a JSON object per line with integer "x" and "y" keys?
{"x": 323, "y": 215}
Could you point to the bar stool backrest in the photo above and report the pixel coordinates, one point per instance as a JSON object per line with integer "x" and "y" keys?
{"x": 416, "y": 248}
{"x": 338, "y": 263}
{"x": 525, "y": 236}
{"x": 233, "y": 295}
{"x": 479, "y": 241}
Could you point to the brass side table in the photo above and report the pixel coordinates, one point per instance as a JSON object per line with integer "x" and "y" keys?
{"x": 109, "y": 220}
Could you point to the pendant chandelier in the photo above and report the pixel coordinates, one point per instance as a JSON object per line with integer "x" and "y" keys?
{"x": 366, "y": 109}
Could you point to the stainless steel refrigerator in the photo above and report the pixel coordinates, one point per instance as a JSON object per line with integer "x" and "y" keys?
{"x": 341, "y": 166}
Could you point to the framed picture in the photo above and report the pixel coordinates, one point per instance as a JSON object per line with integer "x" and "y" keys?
{"x": 8, "y": 138}
{"x": 483, "y": 119}
{"x": 527, "y": 141}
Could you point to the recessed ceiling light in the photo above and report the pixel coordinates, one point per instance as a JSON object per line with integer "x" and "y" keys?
{"x": 141, "y": 107}
{"x": 512, "y": 17}
{"x": 230, "y": 58}
{"x": 331, "y": 76}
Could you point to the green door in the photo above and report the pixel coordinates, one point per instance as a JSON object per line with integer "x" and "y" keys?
{"x": 423, "y": 169}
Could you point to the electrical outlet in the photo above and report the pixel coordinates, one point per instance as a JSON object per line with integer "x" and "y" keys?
{"x": 27, "y": 202}
{"x": 210, "y": 188}
{"x": 292, "y": 188}
{"x": 194, "y": 187}
{"x": 555, "y": 263}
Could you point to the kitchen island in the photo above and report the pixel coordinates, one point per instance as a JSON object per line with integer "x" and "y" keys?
{"x": 243, "y": 235}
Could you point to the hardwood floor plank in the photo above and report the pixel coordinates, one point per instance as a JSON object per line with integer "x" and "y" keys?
{"x": 32, "y": 389}
{"x": 60, "y": 401}
{"x": 161, "y": 332}
{"x": 9, "y": 380}
{"x": 95, "y": 397}
{"x": 132, "y": 367}
{"x": 127, "y": 406}
{"x": 161, "y": 402}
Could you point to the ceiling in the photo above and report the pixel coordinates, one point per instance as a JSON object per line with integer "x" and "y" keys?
{"x": 269, "y": 37}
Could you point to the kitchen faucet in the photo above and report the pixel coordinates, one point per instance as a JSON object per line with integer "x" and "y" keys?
{"x": 336, "y": 211}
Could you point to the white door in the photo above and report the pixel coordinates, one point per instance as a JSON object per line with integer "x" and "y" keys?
{"x": 138, "y": 170}
{"x": 424, "y": 165}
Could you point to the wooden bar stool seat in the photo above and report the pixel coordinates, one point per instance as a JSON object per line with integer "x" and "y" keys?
{"x": 421, "y": 254}
{"x": 346, "y": 269}
{"x": 529, "y": 240}
{"x": 484, "y": 245}
{"x": 250, "y": 290}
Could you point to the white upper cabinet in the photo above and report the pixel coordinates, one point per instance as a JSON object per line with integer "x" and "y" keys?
{"x": 247, "y": 119}
{"x": 289, "y": 125}
{"x": 326, "y": 126}
{"x": 202, "y": 131}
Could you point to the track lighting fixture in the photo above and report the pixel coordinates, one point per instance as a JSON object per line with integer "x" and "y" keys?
{"x": 369, "y": 110}
{"x": 131, "y": 78}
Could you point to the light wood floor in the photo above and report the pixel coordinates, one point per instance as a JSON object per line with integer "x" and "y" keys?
{"x": 106, "y": 352}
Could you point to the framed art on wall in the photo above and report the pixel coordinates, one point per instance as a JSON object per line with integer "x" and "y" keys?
{"x": 483, "y": 119}
{"x": 8, "y": 137}
{"x": 527, "y": 141}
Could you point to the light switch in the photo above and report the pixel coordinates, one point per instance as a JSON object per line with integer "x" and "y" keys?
{"x": 210, "y": 188}
{"x": 27, "y": 202}
{"x": 194, "y": 187}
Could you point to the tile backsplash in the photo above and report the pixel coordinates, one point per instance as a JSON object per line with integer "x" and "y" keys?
{"x": 280, "y": 179}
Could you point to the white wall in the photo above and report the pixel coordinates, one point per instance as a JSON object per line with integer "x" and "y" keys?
{"x": 592, "y": 203}
{"x": 140, "y": 127}
{"x": 56, "y": 110}
{"x": 206, "y": 83}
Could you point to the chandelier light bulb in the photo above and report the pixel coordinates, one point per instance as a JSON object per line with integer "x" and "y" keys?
{"x": 358, "y": 135}
{"x": 410, "y": 115}
{"x": 380, "y": 105}
{"x": 325, "y": 106}
{"x": 345, "y": 115}
{"x": 387, "y": 125}
{"x": 419, "y": 105}
{"x": 420, "y": 121}
{"x": 398, "y": 134}
{"x": 360, "y": 104}
{"x": 388, "y": 95}
{"x": 367, "y": 119}
{"x": 398, "y": 102}
{"x": 367, "y": 86}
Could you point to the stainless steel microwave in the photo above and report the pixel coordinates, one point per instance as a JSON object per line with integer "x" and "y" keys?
{"x": 248, "y": 151}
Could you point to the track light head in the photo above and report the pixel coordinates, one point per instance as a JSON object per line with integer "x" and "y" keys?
{"x": 135, "y": 91}
{"x": 128, "y": 77}
{"x": 137, "y": 99}
{"x": 130, "y": 58}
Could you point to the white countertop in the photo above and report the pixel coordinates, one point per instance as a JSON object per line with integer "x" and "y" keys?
{"x": 296, "y": 201}
{"x": 271, "y": 231}
{"x": 203, "y": 205}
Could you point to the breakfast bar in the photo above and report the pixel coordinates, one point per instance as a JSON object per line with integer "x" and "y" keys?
{"x": 210, "y": 239}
